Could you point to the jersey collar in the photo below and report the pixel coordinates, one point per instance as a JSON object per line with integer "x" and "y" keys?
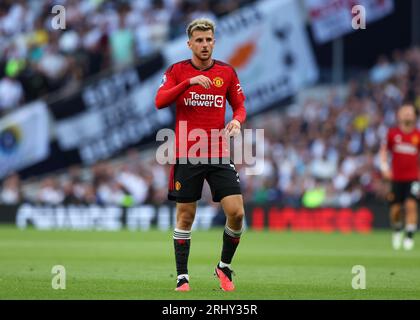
{"x": 208, "y": 68}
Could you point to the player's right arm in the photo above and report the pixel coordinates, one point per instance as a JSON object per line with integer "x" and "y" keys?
{"x": 385, "y": 147}
{"x": 170, "y": 90}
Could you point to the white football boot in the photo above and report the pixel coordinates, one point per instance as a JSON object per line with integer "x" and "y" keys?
{"x": 397, "y": 240}
{"x": 408, "y": 244}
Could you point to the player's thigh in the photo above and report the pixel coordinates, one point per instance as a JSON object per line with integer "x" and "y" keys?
{"x": 411, "y": 196}
{"x": 397, "y": 195}
{"x": 411, "y": 204}
{"x": 406, "y": 192}
{"x": 223, "y": 180}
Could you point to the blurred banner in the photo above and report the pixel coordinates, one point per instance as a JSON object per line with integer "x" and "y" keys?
{"x": 112, "y": 113}
{"x": 331, "y": 19}
{"x": 24, "y": 138}
{"x": 274, "y": 217}
{"x": 267, "y": 45}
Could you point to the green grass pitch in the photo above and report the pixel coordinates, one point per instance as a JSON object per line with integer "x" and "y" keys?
{"x": 140, "y": 265}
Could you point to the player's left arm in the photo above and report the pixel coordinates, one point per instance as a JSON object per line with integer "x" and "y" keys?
{"x": 236, "y": 99}
{"x": 383, "y": 156}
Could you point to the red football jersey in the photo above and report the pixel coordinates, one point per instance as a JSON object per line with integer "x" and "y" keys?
{"x": 405, "y": 151}
{"x": 200, "y": 108}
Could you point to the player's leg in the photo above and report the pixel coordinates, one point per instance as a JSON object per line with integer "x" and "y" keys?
{"x": 410, "y": 222}
{"x": 396, "y": 225}
{"x": 395, "y": 215}
{"x": 185, "y": 213}
{"x": 234, "y": 210}
{"x": 224, "y": 183}
{"x": 185, "y": 186}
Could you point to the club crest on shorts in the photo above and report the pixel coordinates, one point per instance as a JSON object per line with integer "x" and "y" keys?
{"x": 218, "y": 82}
{"x": 177, "y": 186}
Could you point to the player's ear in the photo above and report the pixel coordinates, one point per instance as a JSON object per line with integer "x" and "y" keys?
{"x": 189, "y": 44}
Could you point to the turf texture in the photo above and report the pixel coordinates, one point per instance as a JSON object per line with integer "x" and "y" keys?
{"x": 140, "y": 265}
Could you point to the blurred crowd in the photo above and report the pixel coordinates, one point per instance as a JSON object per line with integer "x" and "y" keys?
{"x": 321, "y": 152}
{"x": 37, "y": 59}
{"x": 325, "y": 152}
{"x": 125, "y": 182}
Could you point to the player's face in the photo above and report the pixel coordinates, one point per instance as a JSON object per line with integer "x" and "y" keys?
{"x": 407, "y": 116}
{"x": 201, "y": 44}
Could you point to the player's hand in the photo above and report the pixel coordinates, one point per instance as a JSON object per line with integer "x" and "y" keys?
{"x": 387, "y": 174}
{"x": 201, "y": 80}
{"x": 233, "y": 128}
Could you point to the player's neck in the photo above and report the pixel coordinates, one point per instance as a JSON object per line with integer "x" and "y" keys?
{"x": 201, "y": 64}
{"x": 406, "y": 129}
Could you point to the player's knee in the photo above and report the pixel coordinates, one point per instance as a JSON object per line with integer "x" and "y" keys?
{"x": 185, "y": 219}
{"x": 395, "y": 209}
{"x": 411, "y": 205}
{"x": 238, "y": 215}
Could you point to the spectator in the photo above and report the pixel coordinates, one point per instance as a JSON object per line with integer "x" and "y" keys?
{"x": 134, "y": 183}
{"x": 11, "y": 94}
{"x": 50, "y": 192}
{"x": 122, "y": 42}
{"x": 11, "y": 191}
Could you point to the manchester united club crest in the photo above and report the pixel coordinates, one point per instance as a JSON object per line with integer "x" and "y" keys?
{"x": 415, "y": 140}
{"x": 218, "y": 82}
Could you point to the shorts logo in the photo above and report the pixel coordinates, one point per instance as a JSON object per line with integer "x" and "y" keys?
{"x": 177, "y": 186}
{"x": 415, "y": 140}
{"x": 218, "y": 82}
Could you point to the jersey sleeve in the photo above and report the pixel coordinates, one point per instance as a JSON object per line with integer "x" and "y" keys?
{"x": 169, "y": 89}
{"x": 236, "y": 98}
{"x": 418, "y": 139}
{"x": 389, "y": 140}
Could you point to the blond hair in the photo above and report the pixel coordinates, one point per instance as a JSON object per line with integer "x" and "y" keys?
{"x": 202, "y": 24}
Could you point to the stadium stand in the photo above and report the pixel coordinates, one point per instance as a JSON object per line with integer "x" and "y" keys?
{"x": 36, "y": 60}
